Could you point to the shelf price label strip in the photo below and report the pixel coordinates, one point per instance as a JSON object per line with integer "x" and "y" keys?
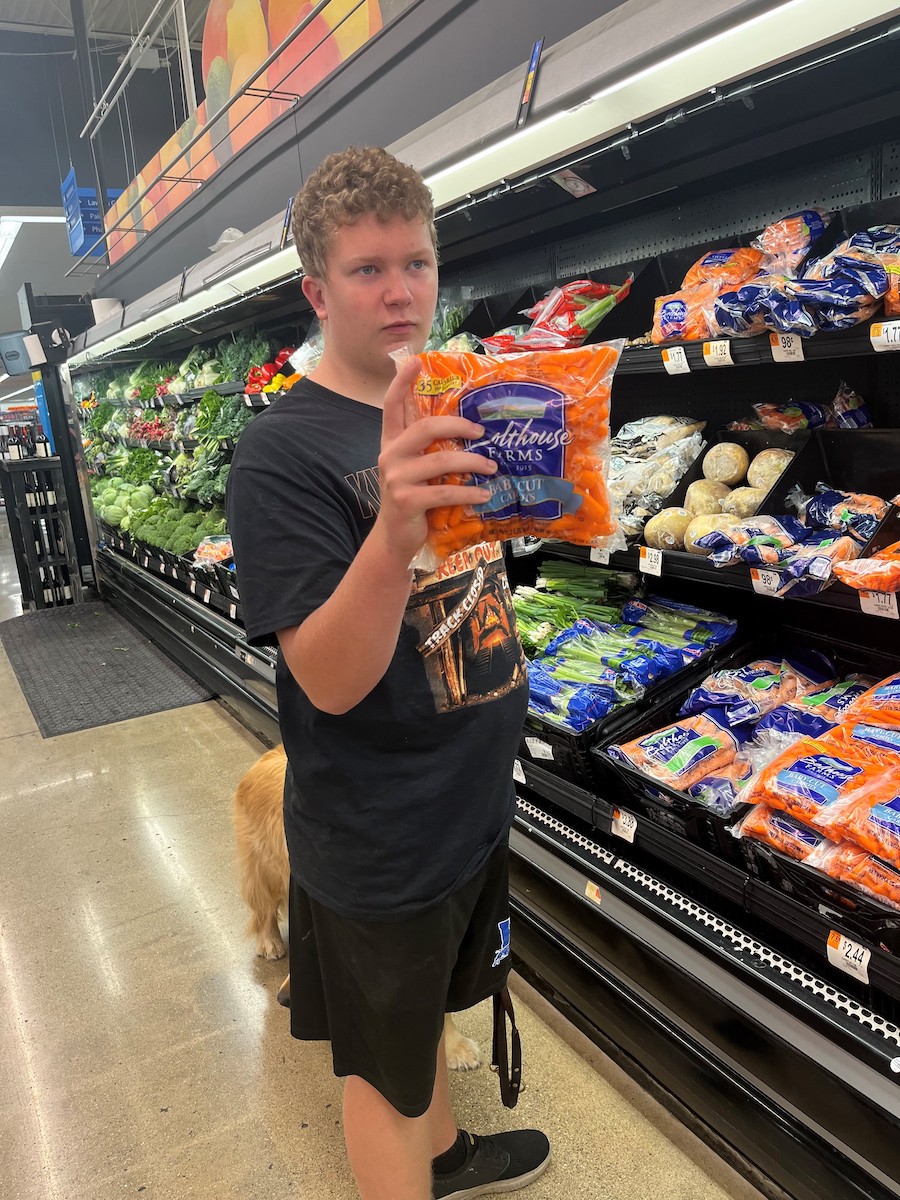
{"x": 885, "y": 335}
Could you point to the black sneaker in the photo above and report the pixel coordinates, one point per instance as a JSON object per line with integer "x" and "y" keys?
{"x": 495, "y": 1165}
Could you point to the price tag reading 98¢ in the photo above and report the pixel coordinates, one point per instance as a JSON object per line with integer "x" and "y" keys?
{"x": 765, "y": 582}
{"x": 786, "y": 347}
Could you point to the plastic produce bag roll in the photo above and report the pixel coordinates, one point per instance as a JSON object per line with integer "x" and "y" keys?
{"x": 546, "y": 422}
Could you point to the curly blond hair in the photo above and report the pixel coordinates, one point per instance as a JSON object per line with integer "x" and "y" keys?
{"x": 344, "y": 188}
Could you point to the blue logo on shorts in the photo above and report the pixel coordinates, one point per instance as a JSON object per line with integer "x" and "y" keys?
{"x": 503, "y": 952}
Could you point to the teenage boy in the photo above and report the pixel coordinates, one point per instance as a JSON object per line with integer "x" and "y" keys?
{"x": 401, "y": 695}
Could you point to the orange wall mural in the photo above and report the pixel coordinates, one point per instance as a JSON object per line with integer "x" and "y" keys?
{"x": 239, "y": 35}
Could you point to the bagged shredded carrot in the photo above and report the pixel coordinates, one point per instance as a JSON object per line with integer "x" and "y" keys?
{"x": 546, "y": 421}
{"x": 813, "y": 781}
{"x": 880, "y": 573}
{"x": 683, "y": 753}
{"x": 863, "y": 871}
{"x": 880, "y": 705}
{"x": 781, "y": 831}
{"x": 892, "y": 298}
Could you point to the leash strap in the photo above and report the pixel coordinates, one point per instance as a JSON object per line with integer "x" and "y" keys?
{"x": 508, "y": 1064}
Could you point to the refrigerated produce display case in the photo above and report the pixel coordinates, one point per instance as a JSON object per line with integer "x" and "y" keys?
{"x": 759, "y": 997}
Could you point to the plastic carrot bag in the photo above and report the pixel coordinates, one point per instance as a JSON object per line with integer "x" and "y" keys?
{"x": 748, "y": 693}
{"x": 781, "y": 831}
{"x": 866, "y": 741}
{"x": 809, "y": 567}
{"x": 880, "y": 705}
{"x": 721, "y": 790}
{"x": 817, "y": 712}
{"x": 724, "y": 268}
{"x": 546, "y": 422}
{"x": 812, "y": 780}
{"x": 862, "y": 870}
{"x": 787, "y": 242}
{"x": 682, "y": 316}
{"x": 880, "y": 573}
{"x": 683, "y": 753}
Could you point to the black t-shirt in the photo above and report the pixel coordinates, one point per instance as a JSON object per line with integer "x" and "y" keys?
{"x": 398, "y": 802}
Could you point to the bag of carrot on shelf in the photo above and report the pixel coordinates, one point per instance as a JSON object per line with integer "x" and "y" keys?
{"x": 546, "y": 424}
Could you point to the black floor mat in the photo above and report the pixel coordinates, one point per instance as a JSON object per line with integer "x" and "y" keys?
{"x": 83, "y": 666}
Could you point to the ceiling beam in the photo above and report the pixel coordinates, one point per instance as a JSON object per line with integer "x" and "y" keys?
{"x": 65, "y": 31}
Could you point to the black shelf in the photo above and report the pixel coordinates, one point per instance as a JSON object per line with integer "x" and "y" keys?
{"x": 752, "y": 352}
{"x": 789, "y": 1069}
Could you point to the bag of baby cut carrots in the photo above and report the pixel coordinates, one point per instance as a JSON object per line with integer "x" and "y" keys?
{"x": 546, "y": 421}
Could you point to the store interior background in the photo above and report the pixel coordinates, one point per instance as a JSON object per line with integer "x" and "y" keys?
{"x": 141, "y": 1042}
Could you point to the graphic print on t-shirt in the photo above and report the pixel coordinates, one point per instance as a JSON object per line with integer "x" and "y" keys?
{"x": 464, "y": 616}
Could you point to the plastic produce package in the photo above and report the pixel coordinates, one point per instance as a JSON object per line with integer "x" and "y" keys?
{"x": 854, "y": 513}
{"x": 747, "y": 693}
{"x": 546, "y": 422}
{"x": 758, "y": 541}
{"x": 809, "y": 568}
{"x": 880, "y": 573}
{"x": 863, "y": 871}
{"x": 566, "y": 315}
{"x": 694, "y": 625}
{"x": 818, "y": 711}
{"x": 849, "y": 409}
{"x": 649, "y": 458}
{"x": 880, "y": 705}
{"x": 683, "y": 753}
{"x": 724, "y": 268}
{"x": 721, "y": 790}
{"x": 812, "y": 780}
{"x": 214, "y": 549}
{"x": 787, "y": 242}
{"x": 781, "y": 831}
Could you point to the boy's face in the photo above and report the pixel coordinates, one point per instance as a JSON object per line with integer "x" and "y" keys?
{"x": 379, "y": 293}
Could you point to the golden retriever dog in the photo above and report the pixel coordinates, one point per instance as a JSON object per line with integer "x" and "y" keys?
{"x": 264, "y": 875}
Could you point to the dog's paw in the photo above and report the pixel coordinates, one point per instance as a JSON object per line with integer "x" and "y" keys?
{"x": 270, "y": 947}
{"x": 462, "y": 1053}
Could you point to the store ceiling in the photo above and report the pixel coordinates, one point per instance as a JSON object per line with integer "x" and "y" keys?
{"x": 105, "y": 18}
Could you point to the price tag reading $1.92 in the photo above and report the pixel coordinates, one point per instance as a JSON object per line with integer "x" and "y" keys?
{"x": 718, "y": 353}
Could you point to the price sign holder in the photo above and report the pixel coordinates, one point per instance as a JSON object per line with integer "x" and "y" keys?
{"x": 879, "y": 604}
{"x": 786, "y": 347}
{"x": 593, "y": 893}
{"x": 718, "y": 353}
{"x": 538, "y": 748}
{"x": 600, "y": 555}
{"x": 624, "y": 825}
{"x": 651, "y": 561}
{"x": 848, "y": 956}
{"x": 518, "y": 773}
{"x": 885, "y": 335}
{"x": 766, "y": 583}
{"x": 675, "y": 361}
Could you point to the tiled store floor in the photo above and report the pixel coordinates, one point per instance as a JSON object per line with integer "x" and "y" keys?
{"x": 142, "y": 1052}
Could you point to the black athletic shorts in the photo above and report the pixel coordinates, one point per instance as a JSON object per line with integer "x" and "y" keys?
{"x": 378, "y": 990}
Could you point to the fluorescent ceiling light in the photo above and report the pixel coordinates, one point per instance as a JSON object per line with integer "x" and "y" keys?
{"x": 25, "y": 219}
{"x": 3, "y": 378}
{"x": 10, "y": 395}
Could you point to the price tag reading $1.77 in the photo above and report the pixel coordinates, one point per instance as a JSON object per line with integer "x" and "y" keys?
{"x": 885, "y": 335}
{"x": 675, "y": 361}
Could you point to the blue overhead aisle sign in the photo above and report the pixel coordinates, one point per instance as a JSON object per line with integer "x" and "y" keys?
{"x": 84, "y": 220}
